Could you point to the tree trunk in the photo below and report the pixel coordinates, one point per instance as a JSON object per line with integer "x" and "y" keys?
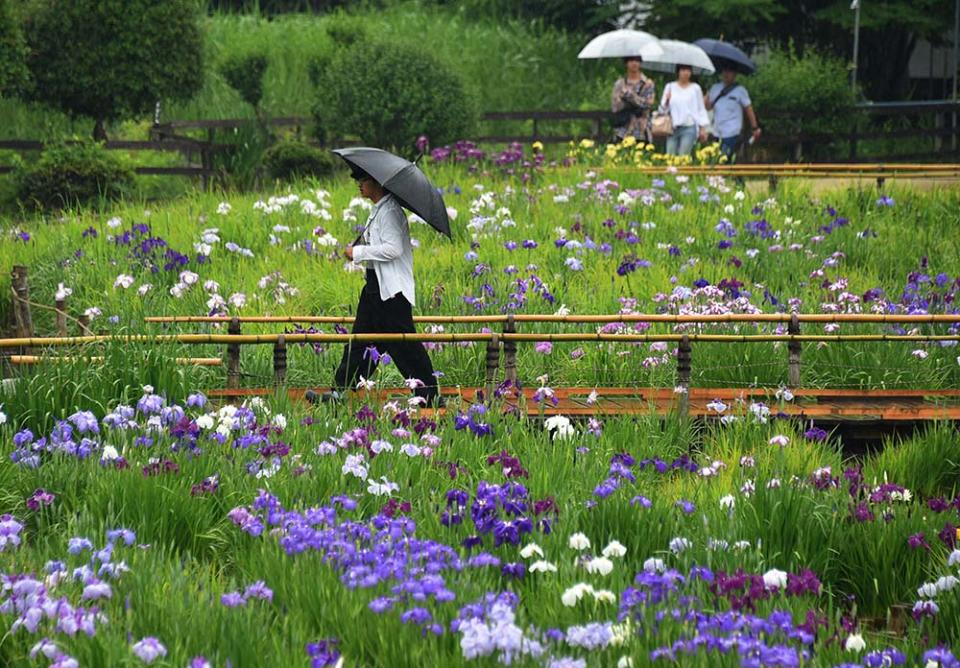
{"x": 99, "y": 131}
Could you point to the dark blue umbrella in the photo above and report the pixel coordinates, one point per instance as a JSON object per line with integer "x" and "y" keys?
{"x": 726, "y": 56}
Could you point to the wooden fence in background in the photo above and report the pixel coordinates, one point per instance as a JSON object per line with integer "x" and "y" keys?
{"x": 943, "y": 130}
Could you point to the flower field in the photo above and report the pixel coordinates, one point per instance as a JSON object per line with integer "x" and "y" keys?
{"x": 143, "y": 523}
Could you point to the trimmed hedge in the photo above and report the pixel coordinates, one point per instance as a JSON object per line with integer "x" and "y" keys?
{"x": 291, "y": 159}
{"x": 388, "y": 94}
{"x": 68, "y": 175}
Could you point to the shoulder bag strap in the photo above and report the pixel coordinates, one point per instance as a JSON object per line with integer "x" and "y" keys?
{"x": 726, "y": 89}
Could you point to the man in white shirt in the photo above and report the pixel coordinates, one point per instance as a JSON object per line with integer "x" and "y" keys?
{"x": 730, "y": 101}
{"x": 386, "y": 301}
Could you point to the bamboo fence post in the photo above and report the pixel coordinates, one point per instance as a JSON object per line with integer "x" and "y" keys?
{"x": 23, "y": 318}
{"x": 61, "y": 306}
{"x": 793, "y": 348}
{"x": 233, "y": 356}
{"x": 83, "y": 321}
{"x": 510, "y": 352}
{"x": 772, "y": 181}
{"x": 683, "y": 376}
{"x": 493, "y": 363}
{"x": 280, "y": 361}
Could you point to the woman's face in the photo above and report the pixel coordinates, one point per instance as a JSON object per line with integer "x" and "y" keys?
{"x": 370, "y": 189}
{"x": 634, "y": 67}
{"x": 684, "y": 74}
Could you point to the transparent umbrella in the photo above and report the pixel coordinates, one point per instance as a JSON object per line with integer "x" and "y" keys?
{"x": 621, "y": 44}
{"x": 676, "y": 53}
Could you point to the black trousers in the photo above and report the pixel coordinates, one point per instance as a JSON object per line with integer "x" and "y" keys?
{"x": 392, "y": 315}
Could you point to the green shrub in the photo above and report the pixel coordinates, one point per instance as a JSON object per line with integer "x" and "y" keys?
{"x": 814, "y": 85}
{"x": 388, "y": 94}
{"x": 291, "y": 159}
{"x": 13, "y": 69}
{"x": 123, "y": 56}
{"x": 69, "y": 175}
{"x": 244, "y": 73}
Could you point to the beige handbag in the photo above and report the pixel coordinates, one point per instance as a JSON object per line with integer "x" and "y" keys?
{"x": 661, "y": 125}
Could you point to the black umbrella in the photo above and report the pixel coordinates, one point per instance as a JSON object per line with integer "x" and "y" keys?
{"x": 404, "y": 180}
{"x": 725, "y": 55}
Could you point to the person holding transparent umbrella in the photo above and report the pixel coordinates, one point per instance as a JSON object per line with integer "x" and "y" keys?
{"x": 634, "y": 94}
{"x": 631, "y": 101}
{"x": 385, "y": 250}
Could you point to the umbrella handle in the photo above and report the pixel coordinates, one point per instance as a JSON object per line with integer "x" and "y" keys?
{"x": 360, "y": 236}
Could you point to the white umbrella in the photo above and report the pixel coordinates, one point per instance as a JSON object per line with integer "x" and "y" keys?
{"x": 679, "y": 53}
{"x": 621, "y": 44}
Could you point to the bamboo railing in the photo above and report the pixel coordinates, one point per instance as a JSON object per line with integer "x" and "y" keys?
{"x": 588, "y": 318}
{"x": 505, "y": 340}
{"x": 508, "y": 338}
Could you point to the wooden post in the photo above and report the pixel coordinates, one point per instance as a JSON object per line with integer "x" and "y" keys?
{"x": 493, "y": 363}
{"x": 938, "y": 124}
{"x": 881, "y": 180}
{"x": 510, "y": 352}
{"x": 793, "y": 349}
{"x": 83, "y": 320}
{"x": 21, "y": 306}
{"x": 206, "y": 164}
{"x": 233, "y": 356}
{"x": 280, "y": 361}
{"x": 772, "y": 181}
{"x": 683, "y": 376}
{"x": 853, "y": 141}
{"x": 61, "y": 306}
{"x": 536, "y": 132}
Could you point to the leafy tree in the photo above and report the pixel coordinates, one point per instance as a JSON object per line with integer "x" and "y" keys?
{"x": 13, "y": 70}
{"x": 244, "y": 73}
{"x": 889, "y": 30}
{"x": 123, "y": 56}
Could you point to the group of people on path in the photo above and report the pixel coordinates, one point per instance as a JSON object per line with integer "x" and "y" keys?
{"x": 633, "y": 105}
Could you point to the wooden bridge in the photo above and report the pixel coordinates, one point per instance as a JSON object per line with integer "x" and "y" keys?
{"x": 821, "y": 405}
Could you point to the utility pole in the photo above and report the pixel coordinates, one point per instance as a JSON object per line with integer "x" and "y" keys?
{"x": 855, "y": 6}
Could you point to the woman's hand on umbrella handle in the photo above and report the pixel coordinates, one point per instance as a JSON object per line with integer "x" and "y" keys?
{"x": 348, "y": 251}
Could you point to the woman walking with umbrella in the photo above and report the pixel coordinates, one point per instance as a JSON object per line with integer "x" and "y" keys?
{"x": 633, "y": 94}
{"x": 384, "y": 248}
{"x": 631, "y": 101}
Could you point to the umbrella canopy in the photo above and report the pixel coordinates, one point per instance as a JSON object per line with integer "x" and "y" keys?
{"x": 403, "y": 180}
{"x": 725, "y": 55}
{"x": 622, "y": 44}
{"x": 680, "y": 53}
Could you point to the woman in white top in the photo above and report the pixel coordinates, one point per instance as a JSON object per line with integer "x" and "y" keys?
{"x": 684, "y": 100}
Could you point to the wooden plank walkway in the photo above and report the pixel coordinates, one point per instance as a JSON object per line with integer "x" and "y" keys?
{"x": 822, "y": 404}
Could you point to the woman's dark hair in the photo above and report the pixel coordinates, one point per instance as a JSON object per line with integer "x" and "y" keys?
{"x": 627, "y": 59}
{"x": 685, "y": 67}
